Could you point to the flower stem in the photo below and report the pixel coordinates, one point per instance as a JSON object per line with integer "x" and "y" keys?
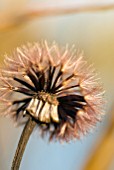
{"x": 22, "y": 143}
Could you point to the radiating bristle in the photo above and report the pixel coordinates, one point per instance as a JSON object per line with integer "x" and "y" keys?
{"x": 55, "y": 87}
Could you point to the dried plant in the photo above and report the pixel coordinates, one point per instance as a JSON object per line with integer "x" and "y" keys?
{"x": 56, "y": 89}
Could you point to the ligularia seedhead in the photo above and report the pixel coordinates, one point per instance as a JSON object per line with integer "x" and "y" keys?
{"x": 54, "y": 86}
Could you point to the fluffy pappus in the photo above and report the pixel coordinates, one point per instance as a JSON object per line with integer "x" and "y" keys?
{"x": 53, "y": 85}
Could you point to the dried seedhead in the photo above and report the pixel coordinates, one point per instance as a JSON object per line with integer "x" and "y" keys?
{"x": 54, "y": 86}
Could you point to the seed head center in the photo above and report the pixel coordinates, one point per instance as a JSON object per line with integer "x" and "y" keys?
{"x": 47, "y": 97}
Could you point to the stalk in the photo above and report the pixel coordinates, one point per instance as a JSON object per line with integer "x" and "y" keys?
{"x": 22, "y": 143}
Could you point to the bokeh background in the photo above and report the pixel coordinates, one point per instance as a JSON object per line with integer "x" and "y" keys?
{"x": 91, "y": 32}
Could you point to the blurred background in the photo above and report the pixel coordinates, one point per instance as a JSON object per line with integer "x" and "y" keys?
{"x": 91, "y": 32}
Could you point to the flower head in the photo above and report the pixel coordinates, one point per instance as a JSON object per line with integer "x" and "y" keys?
{"x": 54, "y": 86}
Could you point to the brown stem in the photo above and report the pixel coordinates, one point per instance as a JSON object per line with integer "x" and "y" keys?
{"x": 55, "y": 10}
{"x": 51, "y": 10}
{"x": 22, "y": 143}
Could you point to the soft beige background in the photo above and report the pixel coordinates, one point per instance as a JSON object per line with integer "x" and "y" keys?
{"x": 91, "y": 32}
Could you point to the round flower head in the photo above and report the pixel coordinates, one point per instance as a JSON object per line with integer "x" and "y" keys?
{"x": 54, "y": 86}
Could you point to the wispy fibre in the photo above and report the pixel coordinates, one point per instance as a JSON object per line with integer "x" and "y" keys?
{"x": 54, "y": 86}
